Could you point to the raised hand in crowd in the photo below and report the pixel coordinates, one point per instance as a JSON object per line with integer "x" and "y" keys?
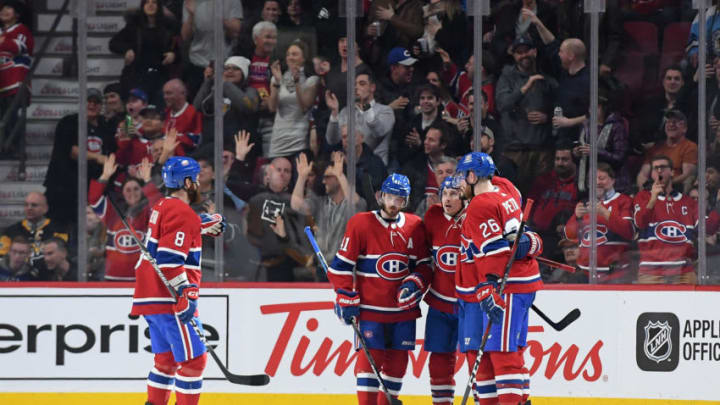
{"x": 144, "y": 170}
{"x": 109, "y": 168}
{"x": 242, "y": 145}
{"x": 332, "y": 102}
{"x": 169, "y": 144}
{"x": 276, "y": 71}
{"x": 443, "y": 55}
{"x": 303, "y": 167}
{"x": 463, "y": 125}
{"x": 338, "y": 159}
{"x": 399, "y": 103}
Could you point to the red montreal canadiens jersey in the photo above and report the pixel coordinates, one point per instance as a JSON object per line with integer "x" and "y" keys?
{"x": 613, "y": 236}
{"x": 443, "y": 234}
{"x": 173, "y": 239}
{"x": 188, "y": 123}
{"x": 121, "y": 251}
{"x": 484, "y": 250}
{"x": 666, "y": 233}
{"x": 16, "y": 50}
{"x": 381, "y": 254}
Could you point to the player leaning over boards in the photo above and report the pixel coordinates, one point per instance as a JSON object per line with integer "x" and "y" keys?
{"x": 442, "y": 223}
{"x": 380, "y": 273}
{"x": 174, "y": 241}
{"x": 490, "y": 226}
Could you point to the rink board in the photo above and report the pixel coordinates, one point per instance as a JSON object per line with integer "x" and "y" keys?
{"x": 629, "y": 346}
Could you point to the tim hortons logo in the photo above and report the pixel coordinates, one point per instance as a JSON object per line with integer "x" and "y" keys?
{"x": 331, "y": 357}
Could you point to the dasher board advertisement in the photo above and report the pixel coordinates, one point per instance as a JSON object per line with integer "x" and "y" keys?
{"x": 625, "y": 344}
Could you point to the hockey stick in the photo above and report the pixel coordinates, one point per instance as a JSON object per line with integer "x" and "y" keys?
{"x": 355, "y": 326}
{"x": 506, "y": 274}
{"x": 253, "y": 379}
{"x": 557, "y": 265}
{"x": 563, "y": 323}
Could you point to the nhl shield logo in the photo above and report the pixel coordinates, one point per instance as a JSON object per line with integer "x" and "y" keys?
{"x": 657, "y": 344}
{"x": 657, "y": 341}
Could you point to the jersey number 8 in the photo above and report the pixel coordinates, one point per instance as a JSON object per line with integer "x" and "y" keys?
{"x": 179, "y": 239}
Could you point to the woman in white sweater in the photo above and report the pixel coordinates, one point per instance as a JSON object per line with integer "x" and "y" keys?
{"x": 292, "y": 96}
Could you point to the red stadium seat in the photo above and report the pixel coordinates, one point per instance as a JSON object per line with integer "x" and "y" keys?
{"x": 675, "y": 38}
{"x": 642, "y": 36}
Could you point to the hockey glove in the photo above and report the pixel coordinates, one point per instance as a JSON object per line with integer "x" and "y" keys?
{"x": 411, "y": 291}
{"x": 530, "y": 245}
{"x": 212, "y": 224}
{"x": 490, "y": 301}
{"x": 347, "y": 305}
{"x": 187, "y": 302}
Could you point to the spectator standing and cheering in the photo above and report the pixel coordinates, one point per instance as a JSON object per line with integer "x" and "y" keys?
{"x": 614, "y": 231}
{"x": 373, "y": 119}
{"x": 292, "y": 95}
{"x": 524, "y": 100}
{"x": 138, "y": 196}
{"x": 573, "y": 92}
{"x": 198, "y": 29}
{"x": 680, "y": 150}
{"x": 264, "y": 35}
{"x": 149, "y": 47}
{"x": 182, "y": 117}
{"x": 240, "y": 113}
{"x": 382, "y": 291}
{"x": 329, "y": 211}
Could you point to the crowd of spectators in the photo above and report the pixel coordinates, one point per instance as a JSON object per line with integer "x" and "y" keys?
{"x": 285, "y": 138}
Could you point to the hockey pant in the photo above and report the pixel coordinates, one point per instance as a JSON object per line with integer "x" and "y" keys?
{"x": 441, "y": 340}
{"x": 502, "y": 378}
{"x": 180, "y": 359}
{"x": 391, "y": 363}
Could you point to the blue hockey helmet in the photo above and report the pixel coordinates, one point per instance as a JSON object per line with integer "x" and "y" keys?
{"x": 396, "y": 184}
{"x": 177, "y": 168}
{"x": 477, "y": 162}
{"x": 449, "y": 182}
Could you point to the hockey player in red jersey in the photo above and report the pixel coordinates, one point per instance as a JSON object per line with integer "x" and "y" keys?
{"x": 174, "y": 241}
{"x": 614, "y": 229}
{"x": 380, "y": 274}
{"x": 442, "y": 224}
{"x": 490, "y": 226}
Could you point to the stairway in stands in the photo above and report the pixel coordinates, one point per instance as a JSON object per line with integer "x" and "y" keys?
{"x": 55, "y": 89}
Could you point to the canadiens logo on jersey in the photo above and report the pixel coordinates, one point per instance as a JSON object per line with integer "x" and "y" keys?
{"x": 392, "y": 266}
{"x": 601, "y": 235}
{"x": 446, "y": 258}
{"x": 125, "y": 243}
{"x": 671, "y": 232}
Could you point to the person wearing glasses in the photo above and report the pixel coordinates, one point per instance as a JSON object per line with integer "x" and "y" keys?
{"x": 666, "y": 221}
{"x": 680, "y": 150}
